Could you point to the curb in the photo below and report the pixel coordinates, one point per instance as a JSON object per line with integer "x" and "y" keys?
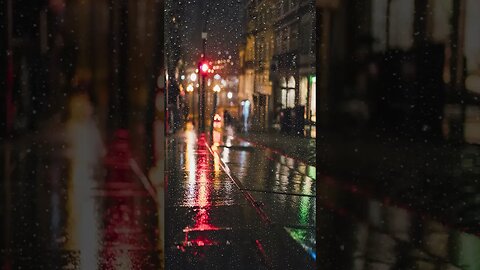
{"x": 239, "y": 185}
{"x": 276, "y": 151}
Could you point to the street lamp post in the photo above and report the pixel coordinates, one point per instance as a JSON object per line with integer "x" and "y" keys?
{"x": 190, "y": 91}
{"x": 216, "y": 90}
{"x": 193, "y": 79}
{"x": 203, "y": 71}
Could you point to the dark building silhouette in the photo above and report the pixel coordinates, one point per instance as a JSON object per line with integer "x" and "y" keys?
{"x": 399, "y": 67}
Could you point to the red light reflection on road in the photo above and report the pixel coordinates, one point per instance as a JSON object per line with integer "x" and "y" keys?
{"x": 129, "y": 231}
{"x": 202, "y": 200}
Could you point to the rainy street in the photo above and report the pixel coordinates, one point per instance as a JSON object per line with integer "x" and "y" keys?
{"x": 233, "y": 206}
{"x": 233, "y": 203}
{"x": 240, "y": 134}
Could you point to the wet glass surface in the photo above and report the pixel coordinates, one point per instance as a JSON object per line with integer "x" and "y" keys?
{"x": 71, "y": 202}
{"x": 374, "y": 234}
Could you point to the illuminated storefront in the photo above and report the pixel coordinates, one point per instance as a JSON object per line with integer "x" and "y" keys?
{"x": 288, "y": 92}
{"x": 313, "y": 99}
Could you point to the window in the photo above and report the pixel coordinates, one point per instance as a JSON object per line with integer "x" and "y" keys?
{"x": 291, "y": 82}
{"x": 288, "y": 92}
{"x": 283, "y": 82}
{"x": 291, "y": 98}
{"x": 303, "y": 91}
{"x": 400, "y": 24}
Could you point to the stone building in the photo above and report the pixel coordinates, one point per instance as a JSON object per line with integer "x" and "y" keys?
{"x": 279, "y": 60}
{"x": 262, "y": 18}
{"x": 294, "y": 59}
{"x": 246, "y": 57}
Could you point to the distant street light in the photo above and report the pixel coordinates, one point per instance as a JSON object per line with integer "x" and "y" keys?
{"x": 204, "y": 68}
{"x": 190, "y": 88}
{"x": 216, "y": 88}
{"x": 229, "y": 95}
{"x": 193, "y": 77}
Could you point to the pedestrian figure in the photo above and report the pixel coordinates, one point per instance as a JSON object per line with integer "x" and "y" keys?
{"x": 245, "y": 115}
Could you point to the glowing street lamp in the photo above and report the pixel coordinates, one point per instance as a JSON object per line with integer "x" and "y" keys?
{"x": 204, "y": 68}
{"x": 190, "y": 88}
{"x": 193, "y": 77}
{"x": 216, "y": 88}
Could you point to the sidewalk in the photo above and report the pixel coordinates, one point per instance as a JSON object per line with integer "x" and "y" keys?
{"x": 435, "y": 178}
{"x": 297, "y": 147}
{"x": 285, "y": 188}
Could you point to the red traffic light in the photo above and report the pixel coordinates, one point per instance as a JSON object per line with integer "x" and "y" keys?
{"x": 204, "y": 68}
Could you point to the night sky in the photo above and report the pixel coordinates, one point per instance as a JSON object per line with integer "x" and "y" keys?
{"x": 224, "y": 27}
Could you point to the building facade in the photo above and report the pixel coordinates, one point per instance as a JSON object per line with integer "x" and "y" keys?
{"x": 279, "y": 61}
{"x": 246, "y": 58}
{"x": 294, "y": 59}
{"x": 262, "y": 17}
{"x": 404, "y": 66}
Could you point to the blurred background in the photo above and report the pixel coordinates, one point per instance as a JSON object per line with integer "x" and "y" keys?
{"x": 397, "y": 134}
{"x": 291, "y": 134}
{"x": 405, "y": 67}
{"x": 82, "y": 134}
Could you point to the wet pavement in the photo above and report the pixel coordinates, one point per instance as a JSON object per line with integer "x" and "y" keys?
{"x": 434, "y": 179}
{"x": 404, "y": 220}
{"x": 219, "y": 220}
{"x": 376, "y": 234}
{"x": 284, "y": 187}
{"x": 71, "y": 201}
{"x": 300, "y": 148}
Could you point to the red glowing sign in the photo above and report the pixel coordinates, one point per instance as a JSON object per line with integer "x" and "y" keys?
{"x": 204, "y": 68}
